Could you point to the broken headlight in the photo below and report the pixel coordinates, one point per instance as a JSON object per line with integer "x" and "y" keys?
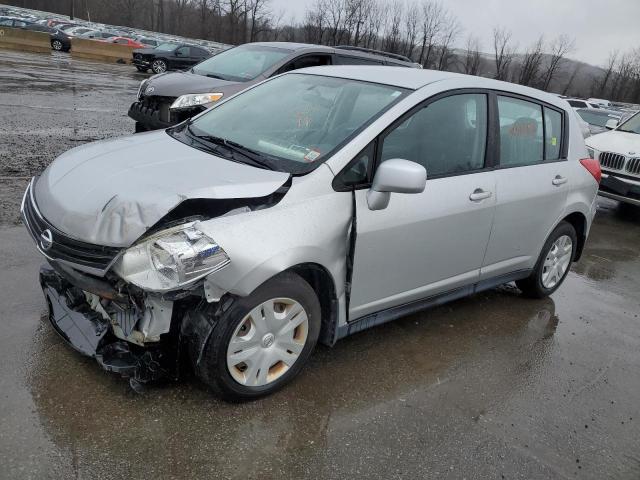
{"x": 171, "y": 259}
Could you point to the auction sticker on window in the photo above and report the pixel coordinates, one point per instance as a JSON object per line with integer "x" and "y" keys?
{"x": 312, "y": 155}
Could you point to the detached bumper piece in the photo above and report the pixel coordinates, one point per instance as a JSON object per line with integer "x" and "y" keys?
{"x": 155, "y": 114}
{"x": 90, "y": 333}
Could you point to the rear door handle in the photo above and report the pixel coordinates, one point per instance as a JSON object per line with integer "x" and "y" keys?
{"x": 559, "y": 180}
{"x": 479, "y": 194}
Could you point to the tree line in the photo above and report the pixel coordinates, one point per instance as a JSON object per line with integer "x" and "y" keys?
{"x": 423, "y": 30}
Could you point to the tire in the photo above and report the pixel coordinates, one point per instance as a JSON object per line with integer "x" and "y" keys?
{"x": 57, "y": 45}
{"x": 222, "y": 370}
{"x": 159, "y": 66}
{"x": 544, "y": 280}
{"x": 141, "y": 69}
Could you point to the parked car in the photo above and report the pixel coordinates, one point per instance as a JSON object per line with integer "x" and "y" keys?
{"x": 98, "y": 35}
{"x": 60, "y": 41}
{"x": 77, "y": 31}
{"x": 13, "y": 22}
{"x": 124, "y": 41}
{"x": 618, "y": 151}
{"x": 600, "y": 102}
{"x": 578, "y": 103}
{"x": 166, "y": 100}
{"x": 148, "y": 42}
{"x": 597, "y": 119}
{"x": 300, "y": 211}
{"x": 168, "y": 56}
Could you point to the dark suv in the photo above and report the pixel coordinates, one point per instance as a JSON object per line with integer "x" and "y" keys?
{"x": 168, "y": 56}
{"x": 170, "y": 98}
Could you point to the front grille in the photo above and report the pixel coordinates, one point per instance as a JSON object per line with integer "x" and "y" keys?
{"x": 95, "y": 259}
{"x": 633, "y": 166}
{"x": 158, "y": 104}
{"x": 611, "y": 160}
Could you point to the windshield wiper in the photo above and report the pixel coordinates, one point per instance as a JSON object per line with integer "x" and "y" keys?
{"x": 256, "y": 158}
{"x": 213, "y": 75}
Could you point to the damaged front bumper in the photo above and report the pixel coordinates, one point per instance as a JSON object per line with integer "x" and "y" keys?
{"x": 108, "y": 329}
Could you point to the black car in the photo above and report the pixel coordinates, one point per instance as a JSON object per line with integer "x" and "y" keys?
{"x": 168, "y": 56}
{"x": 170, "y": 98}
{"x": 60, "y": 41}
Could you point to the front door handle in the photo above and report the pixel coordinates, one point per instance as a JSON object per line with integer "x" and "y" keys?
{"x": 559, "y": 180}
{"x": 479, "y": 194}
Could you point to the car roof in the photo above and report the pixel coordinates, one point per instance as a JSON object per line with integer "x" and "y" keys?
{"x": 415, "y": 78}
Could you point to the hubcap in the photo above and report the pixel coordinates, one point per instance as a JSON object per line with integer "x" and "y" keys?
{"x": 267, "y": 342}
{"x": 159, "y": 66}
{"x": 57, "y": 45}
{"x": 557, "y": 261}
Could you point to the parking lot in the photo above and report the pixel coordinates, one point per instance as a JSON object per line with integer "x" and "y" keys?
{"x": 492, "y": 386}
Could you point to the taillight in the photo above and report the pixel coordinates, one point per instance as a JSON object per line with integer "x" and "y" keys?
{"x": 593, "y": 166}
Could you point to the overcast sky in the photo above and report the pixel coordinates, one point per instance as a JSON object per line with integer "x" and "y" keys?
{"x": 598, "y": 26}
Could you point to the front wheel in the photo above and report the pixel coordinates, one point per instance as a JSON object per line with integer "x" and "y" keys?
{"x": 159, "y": 66}
{"x": 263, "y": 341}
{"x": 554, "y": 263}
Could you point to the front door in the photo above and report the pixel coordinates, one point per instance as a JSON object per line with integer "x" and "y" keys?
{"x": 433, "y": 242}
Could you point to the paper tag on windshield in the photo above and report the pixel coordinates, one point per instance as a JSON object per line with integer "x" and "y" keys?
{"x": 312, "y": 155}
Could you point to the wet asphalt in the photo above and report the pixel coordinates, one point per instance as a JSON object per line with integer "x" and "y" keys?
{"x": 492, "y": 386}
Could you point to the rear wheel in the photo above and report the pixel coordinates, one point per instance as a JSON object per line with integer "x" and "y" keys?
{"x": 57, "y": 45}
{"x": 159, "y": 66}
{"x": 554, "y": 263}
{"x": 263, "y": 341}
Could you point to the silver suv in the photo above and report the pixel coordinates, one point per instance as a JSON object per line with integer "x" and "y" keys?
{"x": 309, "y": 207}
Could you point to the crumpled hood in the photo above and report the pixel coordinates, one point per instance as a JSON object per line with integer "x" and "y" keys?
{"x": 614, "y": 141}
{"x": 174, "y": 84}
{"x": 110, "y": 192}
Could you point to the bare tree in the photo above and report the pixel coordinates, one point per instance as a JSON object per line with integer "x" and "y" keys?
{"x": 567, "y": 87}
{"x": 450, "y": 31}
{"x": 531, "y": 63}
{"x": 411, "y": 21}
{"x": 503, "y": 52}
{"x": 433, "y": 15}
{"x": 560, "y": 47}
{"x": 602, "y": 84}
{"x": 393, "y": 26}
{"x": 471, "y": 65}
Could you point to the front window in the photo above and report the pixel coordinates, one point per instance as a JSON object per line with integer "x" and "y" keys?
{"x": 241, "y": 64}
{"x": 631, "y": 126}
{"x": 166, "y": 47}
{"x": 296, "y": 121}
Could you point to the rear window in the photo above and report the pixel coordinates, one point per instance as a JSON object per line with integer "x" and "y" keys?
{"x": 577, "y": 103}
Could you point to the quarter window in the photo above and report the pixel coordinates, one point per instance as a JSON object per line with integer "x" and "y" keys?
{"x": 447, "y": 136}
{"x": 552, "y": 134}
{"x": 521, "y": 132}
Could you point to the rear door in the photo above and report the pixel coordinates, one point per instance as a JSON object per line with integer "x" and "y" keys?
{"x": 532, "y": 181}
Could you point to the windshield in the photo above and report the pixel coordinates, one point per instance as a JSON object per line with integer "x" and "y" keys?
{"x": 296, "y": 121}
{"x": 631, "y": 126}
{"x": 241, "y": 64}
{"x": 166, "y": 47}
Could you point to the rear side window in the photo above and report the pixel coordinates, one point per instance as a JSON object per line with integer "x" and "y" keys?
{"x": 521, "y": 132}
{"x": 348, "y": 60}
{"x": 552, "y": 134}
{"x": 447, "y": 137}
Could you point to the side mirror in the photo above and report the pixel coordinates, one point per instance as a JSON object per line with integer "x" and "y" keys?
{"x": 611, "y": 124}
{"x": 397, "y": 176}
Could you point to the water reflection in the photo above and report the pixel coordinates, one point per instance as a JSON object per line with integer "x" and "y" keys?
{"x": 179, "y": 430}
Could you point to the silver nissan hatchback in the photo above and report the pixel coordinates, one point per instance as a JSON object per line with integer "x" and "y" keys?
{"x": 307, "y": 208}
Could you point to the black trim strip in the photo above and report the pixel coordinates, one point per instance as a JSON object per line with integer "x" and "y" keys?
{"x": 393, "y": 313}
